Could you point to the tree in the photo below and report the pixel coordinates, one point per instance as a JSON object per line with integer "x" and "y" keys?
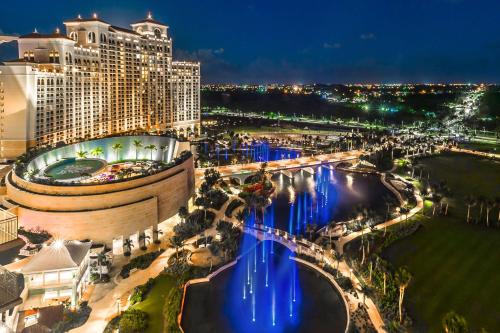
{"x": 162, "y": 150}
{"x": 241, "y": 215}
{"x": 183, "y": 213}
{"x": 101, "y": 259}
{"x": 176, "y": 242}
{"x": 116, "y": 148}
{"x": 490, "y": 204}
{"x": 470, "y": 201}
{"x": 81, "y": 154}
{"x": 143, "y": 239}
{"x": 454, "y": 323}
{"x": 481, "y": 200}
{"x": 97, "y": 151}
{"x": 157, "y": 233}
{"x": 403, "y": 278}
{"x": 137, "y": 144}
{"x": 151, "y": 148}
{"x": 338, "y": 257}
{"x": 128, "y": 245}
{"x": 133, "y": 321}
{"x": 211, "y": 177}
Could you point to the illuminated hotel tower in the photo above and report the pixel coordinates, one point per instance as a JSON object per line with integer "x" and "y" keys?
{"x": 96, "y": 80}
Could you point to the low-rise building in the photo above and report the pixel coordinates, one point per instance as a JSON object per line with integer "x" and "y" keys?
{"x": 59, "y": 271}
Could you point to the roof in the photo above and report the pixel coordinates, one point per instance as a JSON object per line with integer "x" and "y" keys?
{"x": 46, "y": 36}
{"x": 114, "y": 27}
{"x": 58, "y": 256}
{"x": 149, "y": 20}
{"x": 82, "y": 20}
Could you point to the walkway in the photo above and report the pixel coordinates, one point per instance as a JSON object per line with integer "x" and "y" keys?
{"x": 238, "y": 169}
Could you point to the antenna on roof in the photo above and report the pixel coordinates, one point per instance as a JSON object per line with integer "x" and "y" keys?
{"x": 57, "y": 30}
{"x": 36, "y": 31}
{"x": 150, "y": 16}
{"x": 79, "y": 16}
{"x": 94, "y": 15}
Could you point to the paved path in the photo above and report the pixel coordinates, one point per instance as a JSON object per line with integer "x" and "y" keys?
{"x": 104, "y": 299}
{"x": 272, "y": 166}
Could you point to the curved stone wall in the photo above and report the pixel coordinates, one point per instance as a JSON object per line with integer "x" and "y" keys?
{"x": 105, "y": 211}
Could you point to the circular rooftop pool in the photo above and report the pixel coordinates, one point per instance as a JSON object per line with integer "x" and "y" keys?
{"x": 71, "y": 168}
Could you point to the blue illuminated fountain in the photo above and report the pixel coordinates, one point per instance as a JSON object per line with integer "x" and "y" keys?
{"x": 256, "y": 152}
{"x": 266, "y": 291}
{"x": 265, "y": 279}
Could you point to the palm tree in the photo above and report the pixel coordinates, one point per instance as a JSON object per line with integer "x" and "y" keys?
{"x": 151, "y": 148}
{"x": 128, "y": 244}
{"x": 137, "y": 144}
{"x": 143, "y": 239}
{"x": 470, "y": 201}
{"x": 481, "y": 200}
{"x": 97, "y": 151}
{"x": 454, "y": 323}
{"x": 338, "y": 257}
{"x": 162, "y": 149}
{"x": 490, "y": 204}
{"x": 157, "y": 233}
{"x": 183, "y": 213}
{"x": 81, "y": 154}
{"x": 241, "y": 215}
{"x": 116, "y": 147}
{"x": 176, "y": 242}
{"x": 403, "y": 278}
{"x": 101, "y": 259}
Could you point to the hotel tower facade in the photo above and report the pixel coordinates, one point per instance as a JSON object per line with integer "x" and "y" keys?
{"x": 95, "y": 80}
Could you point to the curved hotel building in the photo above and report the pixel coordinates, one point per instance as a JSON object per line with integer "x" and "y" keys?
{"x": 95, "y": 80}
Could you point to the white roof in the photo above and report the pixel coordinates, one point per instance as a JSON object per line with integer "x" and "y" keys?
{"x": 58, "y": 256}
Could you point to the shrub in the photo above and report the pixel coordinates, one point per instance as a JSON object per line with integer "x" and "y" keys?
{"x": 35, "y": 236}
{"x": 194, "y": 224}
{"x": 232, "y": 206}
{"x": 140, "y": 292}
{"x": 133, "y": 321}
{"x": 140, "y": 262}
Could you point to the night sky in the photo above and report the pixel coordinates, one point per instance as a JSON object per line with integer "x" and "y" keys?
{"x": 335, "y": 41}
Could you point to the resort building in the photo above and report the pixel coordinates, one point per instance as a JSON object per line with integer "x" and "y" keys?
{"x": 95, "y": 80}
{"x": 8, "y": 226}
{"x": 59, "y": 271}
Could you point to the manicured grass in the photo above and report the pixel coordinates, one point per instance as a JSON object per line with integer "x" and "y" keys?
{"x": 455, "y": 266}
{"x": 486, "y": 146}
{"x": 153, "y": 304}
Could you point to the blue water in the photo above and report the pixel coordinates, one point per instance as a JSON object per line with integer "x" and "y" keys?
{"x": 324, "y": 197}
{"x": 258, "y": 152}
{"x": 265, "y": 289}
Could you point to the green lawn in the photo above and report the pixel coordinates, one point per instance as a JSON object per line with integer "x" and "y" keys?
{"x": 486, "y": 146}
{"x": 455, "y": 266}
{"x": 153, "y": 304}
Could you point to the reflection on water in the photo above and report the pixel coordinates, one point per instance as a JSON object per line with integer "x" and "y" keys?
{"x": 320, "y": 198}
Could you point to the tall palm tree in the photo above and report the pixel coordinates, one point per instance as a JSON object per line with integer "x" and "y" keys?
{"x": 338, "y": 257}
{"x": 470, "y": 201}
{"x": 403, "y": 278}
{"x": 137, "y": 144}
{"x": 490, "y": 204}
{"x": 176, "y": 242}
{"x": 151, "y": 148}
{"x": 162, "y": 150}
{"x": 481, "y": 200}
{"x": 97, "y": 151}
{"x": 81, "y": 154}
{"x": 117, "y": 147}
{"x": 454, "y": 323}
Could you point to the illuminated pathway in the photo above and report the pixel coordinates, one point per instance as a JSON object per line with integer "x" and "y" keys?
{"x": 247, "y": 169}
